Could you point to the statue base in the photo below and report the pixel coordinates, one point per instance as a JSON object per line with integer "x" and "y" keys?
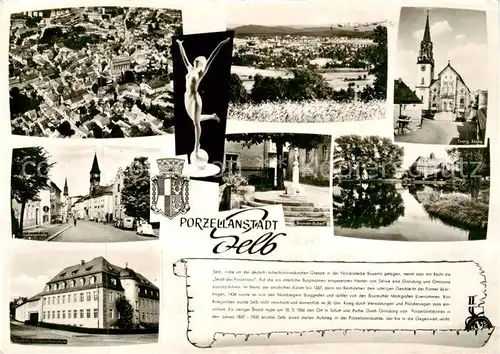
{"x": 294, "y": 190}
{"x": 194, "y": 171}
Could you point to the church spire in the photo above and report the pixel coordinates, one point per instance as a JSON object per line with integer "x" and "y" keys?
{"x": 427, "y": 32}
{"x": 95, "y": 165}
{"x": 65, "y": 193}
{"x": 425, "y": 55}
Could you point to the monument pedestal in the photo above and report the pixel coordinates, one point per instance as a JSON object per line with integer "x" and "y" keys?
{"x": 294, "y": 189}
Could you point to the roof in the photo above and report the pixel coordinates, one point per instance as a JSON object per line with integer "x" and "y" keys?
{"x": 456, "y": 72}
{"x": 431, "y": 161}
{"x": 102, "y": 190}
{"x": 403, "y": 94}
{"x": 97, "y": 265}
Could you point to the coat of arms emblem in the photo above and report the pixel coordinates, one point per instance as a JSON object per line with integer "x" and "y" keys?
{"x": 170, "y": 189}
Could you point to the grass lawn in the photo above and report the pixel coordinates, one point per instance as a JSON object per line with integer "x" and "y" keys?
{"x": 457, "y": 209}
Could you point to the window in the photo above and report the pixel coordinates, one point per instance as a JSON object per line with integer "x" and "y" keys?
{"x": 422, "y": 68}
{"x": 58, "y": 314}
{"x": 422, "y": 81}
{"x": 82, "y": 281}
{"x": 82, "y": 297}
{"x": 325, "y": 153}
{"x": 88, "y": 313}
{"x": 53, "y": 314}
{"x": 48, "y": 315}
{"x": 110, "y": 297}
{"x": 231, "y": 162}
{"x": 75, "y": 298}
{"x": 63, "y": 299}
{"x": 96, "y": 295}
{"x": 44, "y": 300}
{"x": 92, "y": 280}
{"x": 142, "y": 316}
{"x": 81, "y": 313}
{"x": 72, "y": 283}
{"x": 96, "y": 313}
{"x": 75, "y": 313}
{"x": 111, "y": 314}
{"x": 63, "y": 313}
{"x": 58, "y": 300}
{"x": 43, "y": 315}
{"x": 69, "y": 298}
{"x": 88, "y": 296}
{"x": 63, "y": 285}
{"x": 113, "y": 281}
{"x": 69, "y": 313}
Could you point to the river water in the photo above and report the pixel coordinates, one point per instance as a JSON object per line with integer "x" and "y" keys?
{"x": 389, "y": 212}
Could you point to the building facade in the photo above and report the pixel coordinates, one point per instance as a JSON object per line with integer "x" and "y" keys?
{"x": 38, "y": 212}
{"x": 431, "y": 166}
{"x": 445, "y": 93}
{"x": 86, "y": 295}
{"x": 313, "y": 163}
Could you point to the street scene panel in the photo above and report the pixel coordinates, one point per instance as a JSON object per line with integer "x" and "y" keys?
{"x": 82, "y": 193}
{"x": 407, "y": 192}
{"x": 307, "y": 65}
{"x": 279, "y": 168}
{"x": 92, "y": 297}
{"x": 441, "y": 90}
{"x": 92, "y": 72}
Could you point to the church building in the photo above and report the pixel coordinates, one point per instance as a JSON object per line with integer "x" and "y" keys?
{"x": 98, "y": 204}
{"x": 445, "y": 93}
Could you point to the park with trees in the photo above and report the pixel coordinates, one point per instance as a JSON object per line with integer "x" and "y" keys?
{"x": 372, "y": 191}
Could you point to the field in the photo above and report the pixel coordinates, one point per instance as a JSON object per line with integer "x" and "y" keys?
{"x": 334, "y": 78}
{"x": 308, "y": 111}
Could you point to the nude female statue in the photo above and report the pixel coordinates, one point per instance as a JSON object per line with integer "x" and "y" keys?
{"x": 192, "y": 99}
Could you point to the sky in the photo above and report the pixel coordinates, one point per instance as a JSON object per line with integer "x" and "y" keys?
{"x": 414, "y": 151}
{"x": 74, "y": 162}
{"x": 457, "y": 35}
{"x": 301, "y": 13}
{"x": 29, "y": 272}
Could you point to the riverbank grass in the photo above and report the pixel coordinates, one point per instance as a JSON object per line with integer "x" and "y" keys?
{"x": 459, "y": 209}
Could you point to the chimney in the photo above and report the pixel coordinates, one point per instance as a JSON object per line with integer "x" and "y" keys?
{"x": 82, "y": 262}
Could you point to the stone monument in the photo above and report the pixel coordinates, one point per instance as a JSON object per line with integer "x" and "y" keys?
{"x": 295, "y": 189}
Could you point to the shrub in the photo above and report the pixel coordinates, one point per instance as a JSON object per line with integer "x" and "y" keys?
{"x": 235, "y": 181}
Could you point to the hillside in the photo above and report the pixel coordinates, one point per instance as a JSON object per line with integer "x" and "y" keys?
{"x": 266, "y": 31}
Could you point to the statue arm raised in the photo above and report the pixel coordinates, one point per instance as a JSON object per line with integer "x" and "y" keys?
{"x": 214, "y": 54}
{"x": 183, "y": 55}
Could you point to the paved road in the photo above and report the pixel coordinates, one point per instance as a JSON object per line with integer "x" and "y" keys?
{"x": 80, "y": 339}
{"x": 441, "y": 132}
{"x": 90, "y": 231}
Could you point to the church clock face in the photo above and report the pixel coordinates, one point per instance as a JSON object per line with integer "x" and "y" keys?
{"x": 422, "y": 68}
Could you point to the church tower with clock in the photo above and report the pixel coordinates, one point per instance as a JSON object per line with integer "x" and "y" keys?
{"x": 95, "y": 176}
{"x": 425, "y": 64}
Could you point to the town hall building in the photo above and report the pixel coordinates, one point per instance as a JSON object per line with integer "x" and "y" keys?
{"x": 448, "y": 91}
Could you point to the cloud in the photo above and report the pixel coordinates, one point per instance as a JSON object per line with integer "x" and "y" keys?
{"x": 436, "y": 29}
{"x": 460, "y": 37}
{"x": 406, "y": 66}
{"x": 471, "y": 61}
